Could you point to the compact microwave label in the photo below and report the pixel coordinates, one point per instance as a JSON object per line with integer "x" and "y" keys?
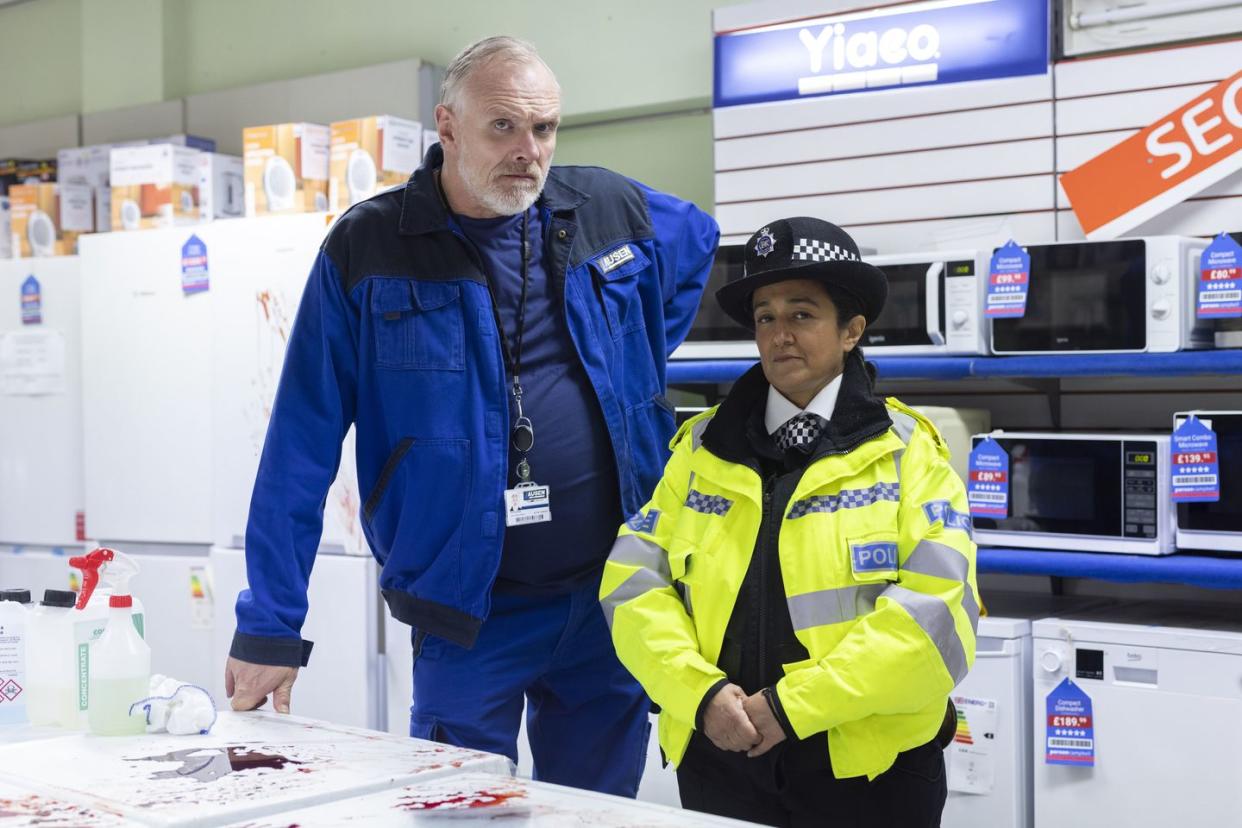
{"x": 1009, "y": 279}
{"x": 1196, "y": 464}
{"x": 917, "y": 43}
{"x": 1162, "y": 165}
{"x": 987, "y": 490}
{"x": 194, "y": 276}
{"x": 1070, "y": 732}
{"x": 32, "y": 302}
{"x": 1220, "y": 279}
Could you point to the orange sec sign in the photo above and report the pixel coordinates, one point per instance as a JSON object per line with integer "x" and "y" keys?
{"x": 1166, "y": 163}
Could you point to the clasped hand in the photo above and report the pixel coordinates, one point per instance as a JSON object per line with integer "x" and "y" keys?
{"x": 736, "y": 722}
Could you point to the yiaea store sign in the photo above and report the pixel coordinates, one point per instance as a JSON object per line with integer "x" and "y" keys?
{"x": 1179, "y": 155}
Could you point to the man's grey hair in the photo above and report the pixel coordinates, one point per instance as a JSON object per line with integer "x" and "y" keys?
{"x": 479, "y": 54}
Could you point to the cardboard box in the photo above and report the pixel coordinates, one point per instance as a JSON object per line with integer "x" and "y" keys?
{"x": 221, "y": 186}
{"x": 87, "y": 166}
{"x": 6, "y": 228}
{"x": 35, "y": 222}
{"x": 369, "y": 155}
{"x": 192, "y": 141}
{"x": 155, "y": 186}
{"x": 286, "y": 168}
{"x": 36, "y": 171}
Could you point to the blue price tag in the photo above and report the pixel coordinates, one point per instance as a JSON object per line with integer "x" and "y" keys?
{"x": 1220, "y": 279}
{"x": 1008, "y": 280}
{"x": 32, "y": 302}
{"x": 1195, "y": 463}
{"x": 194, "y": 275}
{"x": 987, "y": 490}
{"x": 1070, "y": 734}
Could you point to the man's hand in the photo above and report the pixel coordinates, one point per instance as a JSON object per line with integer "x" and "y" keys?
{"x": 770, "y": 732}
{"x": 249, "y": 684}
{"x": 725, "y": 721}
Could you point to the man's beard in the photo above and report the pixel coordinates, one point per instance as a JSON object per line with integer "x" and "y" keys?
{"x": 498, "y": 198}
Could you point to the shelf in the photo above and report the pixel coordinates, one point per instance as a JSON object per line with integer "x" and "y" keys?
{"x": 1182, "y": 364}
{"x": 1181, "y": 568}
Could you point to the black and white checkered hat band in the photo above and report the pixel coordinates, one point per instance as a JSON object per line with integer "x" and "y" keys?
{"x": 814, "y": 250}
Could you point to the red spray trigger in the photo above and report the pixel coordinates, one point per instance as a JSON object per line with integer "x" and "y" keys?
{"x": 90, "y": 564}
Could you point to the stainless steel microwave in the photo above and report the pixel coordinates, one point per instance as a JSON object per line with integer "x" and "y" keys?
{"x": 1084, "y": 492}
{"x": 933, "y": 307}
{"x": 1216, "y": 526}
{"x": 1122, "y": 296}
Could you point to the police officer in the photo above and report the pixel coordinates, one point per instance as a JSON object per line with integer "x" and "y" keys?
{"x": 497, "y": 329}
{"x": 799, "y": 594}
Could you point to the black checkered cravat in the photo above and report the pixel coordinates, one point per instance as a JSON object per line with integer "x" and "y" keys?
{"x": 800, "y": 432}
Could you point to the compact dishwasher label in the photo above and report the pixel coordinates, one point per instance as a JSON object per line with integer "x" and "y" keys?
{"x": 194, "y": 276}
{"x": 1070, "y": 736}
{"x": 1220, "y": 279}
{"x": 1195, "y": 463}
{"x": 1009, "y": 278}
{"x": 987, "y": 490}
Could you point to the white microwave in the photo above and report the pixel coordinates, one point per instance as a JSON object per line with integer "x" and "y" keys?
{"x": 1216, "y": 526}
{"x": 933, "y": 307}
{"x": 934, "y": 304}
{"x": 1122, "y": 296}
{"x": 1084, "y": 493}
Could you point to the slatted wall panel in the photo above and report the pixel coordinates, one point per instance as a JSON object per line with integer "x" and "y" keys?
{"x": 1101, "y": 101}
{"x": 957, "y": 165}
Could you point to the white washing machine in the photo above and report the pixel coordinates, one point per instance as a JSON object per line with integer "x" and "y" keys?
{"x": 989, "y": 761}
{"x": 1165, "y": 689}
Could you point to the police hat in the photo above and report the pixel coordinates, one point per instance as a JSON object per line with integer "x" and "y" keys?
{"x": 803, "y": 248}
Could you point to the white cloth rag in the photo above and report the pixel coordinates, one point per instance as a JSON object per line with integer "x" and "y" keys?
{"x": 177, "y": 707}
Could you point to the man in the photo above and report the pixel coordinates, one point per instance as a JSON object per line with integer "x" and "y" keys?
{"x": 799, "y": 595}
{"x": 498, "y": 331}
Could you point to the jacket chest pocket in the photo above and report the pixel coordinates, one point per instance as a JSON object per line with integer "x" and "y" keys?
{"x": 617, "y": 277}
{"x": 418, "y": 325}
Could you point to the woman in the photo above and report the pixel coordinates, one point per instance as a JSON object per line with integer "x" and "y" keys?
{"x": 799, "y": 594}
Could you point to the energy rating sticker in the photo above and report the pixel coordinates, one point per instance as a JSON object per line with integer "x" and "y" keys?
{"x": 1009, "y": 278}
{"x": 1195, "y": 463}
{"x": 987, "y": 490}
{"x": 1220, "y": 279}
{"x": 1070, "y": 732}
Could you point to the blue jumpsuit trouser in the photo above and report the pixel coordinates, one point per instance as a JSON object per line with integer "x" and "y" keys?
{"x": 587, "y": 718}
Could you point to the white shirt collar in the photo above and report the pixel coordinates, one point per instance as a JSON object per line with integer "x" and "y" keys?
{"x": 780, "y": 410}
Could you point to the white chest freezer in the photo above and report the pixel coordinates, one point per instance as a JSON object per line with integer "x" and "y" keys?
{"x": 40, "y": 401}
{"x": 1165, "y": 732}
{"x": 989, "y": 763}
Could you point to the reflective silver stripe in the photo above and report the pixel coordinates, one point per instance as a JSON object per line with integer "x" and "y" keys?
{"x": 832, "y": 606}
{"x": 897, "y": 465}
{"x": 933, "y": 615}
{"x": 631, "y": 550}
{"x": 639, "y": 583}
{"x": 696, "y": 433}
{"x": 904, "y": 425}
{"x": 684, "y": 591}
{"x": 942, "y": 561}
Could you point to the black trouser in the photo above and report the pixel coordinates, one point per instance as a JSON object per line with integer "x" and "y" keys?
{"x": 792, "y": 785}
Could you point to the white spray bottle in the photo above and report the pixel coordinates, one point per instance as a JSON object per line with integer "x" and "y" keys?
{"x": 120, "y": 668}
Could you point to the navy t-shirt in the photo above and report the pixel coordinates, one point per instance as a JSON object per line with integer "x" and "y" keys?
{"x": 573, "y": 452}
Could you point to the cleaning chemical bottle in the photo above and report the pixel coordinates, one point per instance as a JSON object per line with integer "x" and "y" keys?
{"x": 14, "y": 620}
{"x": 51, "y": 662}
{"x": 90, "y": 618}
{"x": 120, "y": 661}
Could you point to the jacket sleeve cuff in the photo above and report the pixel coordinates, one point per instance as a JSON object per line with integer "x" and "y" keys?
{"x": 280, "y": 652}
{"x": 707, "y": 699}
{"x": 778, "y": 710}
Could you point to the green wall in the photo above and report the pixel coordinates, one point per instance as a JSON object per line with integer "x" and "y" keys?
{"x": 634, "y": 75}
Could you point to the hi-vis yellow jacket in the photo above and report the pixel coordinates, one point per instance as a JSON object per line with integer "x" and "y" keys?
{"x": 878, "y": 565}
